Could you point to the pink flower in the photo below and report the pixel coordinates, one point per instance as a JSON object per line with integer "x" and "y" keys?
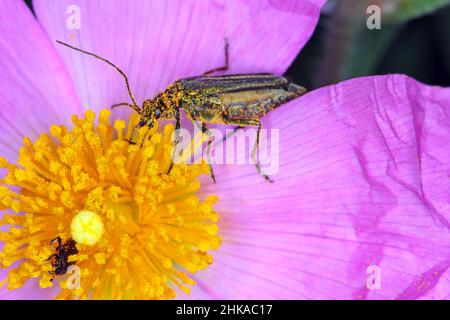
{"x": 363, "y": 186}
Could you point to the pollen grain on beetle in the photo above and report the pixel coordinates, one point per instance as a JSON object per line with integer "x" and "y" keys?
{"x": 139, "y": 232}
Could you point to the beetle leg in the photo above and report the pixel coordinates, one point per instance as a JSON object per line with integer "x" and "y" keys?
{"x": 53, "y": 255}
{"x": 229, "y": 135}
{"x": 251, "y": 122}
{"x": 232, "y": 133}
{"x": 145, "y": 137}
{"x": 208, "y": 150}
{"x": 57, "y": 239}
{"x": 177, "y": 136}
{"x": 227, "y": 61}
{"x": 130, "y": 141}
{"x": 255, "y": 154}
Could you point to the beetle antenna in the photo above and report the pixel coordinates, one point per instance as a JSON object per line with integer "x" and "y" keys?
{"x": 134, "y": 106}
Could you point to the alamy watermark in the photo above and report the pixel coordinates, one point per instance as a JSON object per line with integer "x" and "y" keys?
{"x": 73, "y": 282}
{"x": 374, "y": 20}
{"x": 73, "y": 20}
{"x": 373, "y": 277}
{"x": 229, "y": 147}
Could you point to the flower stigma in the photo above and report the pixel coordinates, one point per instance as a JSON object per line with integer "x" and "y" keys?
{"x": 86, "y": 228}
{"x": 140, "y": 231}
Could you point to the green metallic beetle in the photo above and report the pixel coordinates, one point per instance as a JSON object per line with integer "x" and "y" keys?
{"x": 235, "y": 99}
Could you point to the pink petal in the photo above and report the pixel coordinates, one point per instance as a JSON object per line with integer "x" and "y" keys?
{"x": 30, "y": 291}
{"x": 36, "y": 90}
{"x": 156, "y": 42}
{"x": 363, "y": 181}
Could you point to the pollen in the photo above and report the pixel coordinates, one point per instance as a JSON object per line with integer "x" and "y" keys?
{"x": 140, "y": 229}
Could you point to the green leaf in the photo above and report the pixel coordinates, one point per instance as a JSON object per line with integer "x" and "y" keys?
{"x": 394, "y": 11}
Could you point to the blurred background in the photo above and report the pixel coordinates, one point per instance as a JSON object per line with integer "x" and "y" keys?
{"x": 414, "y": 39}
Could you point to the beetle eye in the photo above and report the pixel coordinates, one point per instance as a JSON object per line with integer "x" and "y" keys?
{"x": 157, "y": 113}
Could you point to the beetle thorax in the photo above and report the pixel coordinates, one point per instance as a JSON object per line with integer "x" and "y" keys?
{"x": 163, "y": 104}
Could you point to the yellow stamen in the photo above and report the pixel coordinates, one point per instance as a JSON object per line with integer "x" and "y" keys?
{"x": 139, "y": 231}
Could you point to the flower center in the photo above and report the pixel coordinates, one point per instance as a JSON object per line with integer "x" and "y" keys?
{"x": 138, "y": 229}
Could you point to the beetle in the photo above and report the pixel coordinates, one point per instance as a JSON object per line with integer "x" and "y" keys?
{"x": 59, "y": 260}
{"x": 233, "y": 99}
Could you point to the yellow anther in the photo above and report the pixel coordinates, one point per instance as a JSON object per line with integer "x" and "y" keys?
{"x": 89, "y": 115}
{"x": 100, "y": 258}
{"x": 112, "y": 206}
{"x": 3, "y": 162}
{"x": 104, "y": 116}
{"x": 119, "y": 125}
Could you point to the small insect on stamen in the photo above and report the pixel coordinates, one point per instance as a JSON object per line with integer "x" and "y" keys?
{"x": 60, "y": 259}
{"x": 234, "y": 99}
